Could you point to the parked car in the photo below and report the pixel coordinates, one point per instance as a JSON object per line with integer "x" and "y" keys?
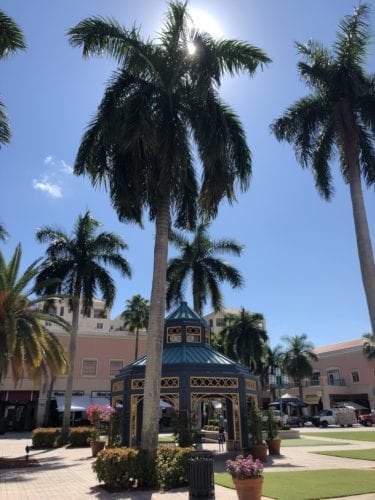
{"x": 335, "y": 416}
{"x": 279, "y": 417}
{"x": 367, "y": 419}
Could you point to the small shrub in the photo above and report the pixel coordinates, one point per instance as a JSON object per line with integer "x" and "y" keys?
{"x": 118, "y": 468}
{"x": 45, "y": 437}
{"x": 171, "y": 467}
{"x": 78, "y": 436}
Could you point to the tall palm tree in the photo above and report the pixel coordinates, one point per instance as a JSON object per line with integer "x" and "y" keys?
{"x": 161, "y": 101}
{"x": 199, "y": 260}
{"x": 136, "y": 317}
{"x": 369, "y": 345}
{"x": 244, "y": 338}
{"x": 339, "y": 112}
{"x": 11, "y": 40}
{"x": 25, "y": 342}
{"x": 79, "y": 263}
{"x": 297, "y": 359}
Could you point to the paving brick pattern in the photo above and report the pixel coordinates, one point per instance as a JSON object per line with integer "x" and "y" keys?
{"x": 66, "y": 473}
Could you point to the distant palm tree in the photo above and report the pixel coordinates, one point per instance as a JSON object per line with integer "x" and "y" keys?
{"x": 339, "y": 113}
{"x": 272, "y": 358}
{"x": 369, "y": 345}
{"x": 244, "y": 338}
{"x": 199, "y": 261}
{"x": 3, "y": 233}
{"x": 136, "y": 317}
{"x": 161, "y": 101}
{"x": 11, "y": 40}
{"x": 297, "y": 359}
{"x": 25, "y": 342}
{"x": 78, "y": 262}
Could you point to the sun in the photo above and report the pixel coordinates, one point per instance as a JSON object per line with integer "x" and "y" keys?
{"x": 204, "y": 21}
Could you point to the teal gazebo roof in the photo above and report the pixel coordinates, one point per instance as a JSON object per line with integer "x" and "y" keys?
{"x": 183, "y": 312}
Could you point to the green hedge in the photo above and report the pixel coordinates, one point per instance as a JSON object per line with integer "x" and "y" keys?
{"x": 45, "y": 437}
{"x": 128, "y": 468}
{"x": 78, "y": 436}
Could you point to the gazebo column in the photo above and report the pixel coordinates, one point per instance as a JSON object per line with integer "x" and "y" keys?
{"x": 243, "y": 422}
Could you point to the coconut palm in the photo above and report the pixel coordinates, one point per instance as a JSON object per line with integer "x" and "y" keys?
{"x": 25, "y": 342}
{"x": 369, "y": 345}
{"x": 339, "y": 112}
{"x": 79, "y": 263}
{"x": 271, "y": 359}
{"x": 244, "y": 338}
{"x": 297, "y": 359}
{"x": 160, "y": 101}
{"x": 11, "y": 40}
{"x": 199, "y": 261}
{"x": 136, "y": 317}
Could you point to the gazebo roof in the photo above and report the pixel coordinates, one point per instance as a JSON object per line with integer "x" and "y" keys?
{"x": 183, "y": 312}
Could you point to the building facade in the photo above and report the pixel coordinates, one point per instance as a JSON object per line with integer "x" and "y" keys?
{"x": 104, "y": 346}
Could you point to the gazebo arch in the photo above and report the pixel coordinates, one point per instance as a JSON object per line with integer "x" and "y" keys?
{"x": 191, "y": 371}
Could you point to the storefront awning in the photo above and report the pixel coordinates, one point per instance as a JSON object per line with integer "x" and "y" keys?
{"x": 81, "y": 403}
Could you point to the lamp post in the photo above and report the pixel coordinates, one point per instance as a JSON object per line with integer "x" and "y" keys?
{"x": 278, "y": 380}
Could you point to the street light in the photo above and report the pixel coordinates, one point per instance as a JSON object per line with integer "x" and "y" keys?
{"x": 278, "y": 380}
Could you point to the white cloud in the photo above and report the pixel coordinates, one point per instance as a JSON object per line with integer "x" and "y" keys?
{"x": 52, "y": 182}
{"x": 52, "y": 190}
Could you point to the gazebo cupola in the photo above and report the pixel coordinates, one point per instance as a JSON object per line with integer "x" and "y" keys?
{"x": 184, "y": 326}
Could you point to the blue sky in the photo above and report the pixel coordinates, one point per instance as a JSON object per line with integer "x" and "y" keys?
{"x": 300, "y": 262}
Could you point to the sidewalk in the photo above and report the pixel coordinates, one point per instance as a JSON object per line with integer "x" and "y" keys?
{"x": 67, "y": 473}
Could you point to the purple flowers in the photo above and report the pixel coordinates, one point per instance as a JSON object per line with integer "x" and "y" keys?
{"x": 244, "y": 467}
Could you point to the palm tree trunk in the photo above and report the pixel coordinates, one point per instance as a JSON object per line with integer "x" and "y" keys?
{"x": 136, "y": 344}
{"x": 151, "y": 403}
{"x": 69, "y": 381}
{"x": 48, "y": 402}
{"x": 365, "y": 253}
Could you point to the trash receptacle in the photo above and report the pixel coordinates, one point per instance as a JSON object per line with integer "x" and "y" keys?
{"x": 201, "y": 474}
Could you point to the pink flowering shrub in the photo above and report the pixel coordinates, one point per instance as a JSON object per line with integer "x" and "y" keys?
{"x": 98, "y": 413}
{"x": 245, "y": 467}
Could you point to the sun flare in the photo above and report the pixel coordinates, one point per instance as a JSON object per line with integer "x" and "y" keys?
{"x": 203, "y": 21}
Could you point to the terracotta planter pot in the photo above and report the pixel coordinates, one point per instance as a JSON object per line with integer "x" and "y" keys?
{"x": 249, "y": 489}
{"x": 274, "y": 446}
{"x": 96, "y": 446}
{"x": 259, "y": 451}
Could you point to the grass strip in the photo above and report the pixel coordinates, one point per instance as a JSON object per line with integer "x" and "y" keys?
{"x": 291, "y": 443}
{"x": 352, "y": 435}
{"x": 311, "y": 485}
{"x": 357, "y": 454}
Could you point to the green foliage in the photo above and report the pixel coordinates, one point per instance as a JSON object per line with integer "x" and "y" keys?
{"x": 78, "y": 436}
{"x": 271, "y": 424}
{"x": 45, "y": 437}
{"x": 118, "y": 468}
{"x": 255, "y": 423}
{"x": 183, "y": 431}
{"x": 129, "y": 468}
{"x": 171, "y": 467}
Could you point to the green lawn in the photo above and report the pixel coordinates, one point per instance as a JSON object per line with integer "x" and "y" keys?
{"x": 166, "y": 438}
{"x": 352, "y": 435}
{"x": 309, "y": 485}
{"x": 358, "y": 454}
{"x": 291, "y": 443}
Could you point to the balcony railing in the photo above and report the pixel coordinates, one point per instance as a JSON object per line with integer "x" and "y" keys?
{"x": 336, "y": 381}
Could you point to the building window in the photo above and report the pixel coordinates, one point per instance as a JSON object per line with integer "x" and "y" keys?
{"x": 211, "y": 323}
{"x": 99, "y": 326}
{"x": 62, "y": 311}
{"x": 333, "y": 377}
{"x": 355, "y": 377}
{"x": 220, "y": 321}
{"x": 315, "y": 378}
{"x": 89, "y": 367}
{"x": 100, "y": 313}
{"x": 114, "y": 366}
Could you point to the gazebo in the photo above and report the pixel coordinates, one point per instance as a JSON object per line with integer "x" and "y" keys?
{"x": 192, "y": 371}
